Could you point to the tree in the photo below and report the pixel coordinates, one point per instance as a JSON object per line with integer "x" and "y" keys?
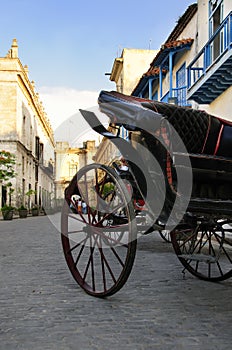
{"x": 29, "y": 194}
{"x": 7, "y": 162}
{"x": 7, "y": 169}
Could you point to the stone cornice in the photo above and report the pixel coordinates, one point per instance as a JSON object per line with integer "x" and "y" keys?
{"x": 15, "y": 66}
{"x": 32, "y": 98}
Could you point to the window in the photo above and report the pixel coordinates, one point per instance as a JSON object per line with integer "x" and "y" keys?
{"x": 215, "y": 19}
{"x": 31, "y": 138}
{"x": 36, "y": 173}
{"x": 73, "y": 167}
{"x": 23, "y": 165}
{"x": 37, "y": 147}
{"x": 41, "y": 153}
{"x": 215, "y": 15}
{"x": 181, "y": 85}
{"x": 24, "y": 129}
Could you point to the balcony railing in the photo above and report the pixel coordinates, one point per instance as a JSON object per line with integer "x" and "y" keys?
{"x": 179, "y": 94}
{"x": 212, "y": 52}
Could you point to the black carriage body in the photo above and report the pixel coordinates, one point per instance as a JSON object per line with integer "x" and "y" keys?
{"x": 208, "y": 145}
{"x": 180, "y": 165}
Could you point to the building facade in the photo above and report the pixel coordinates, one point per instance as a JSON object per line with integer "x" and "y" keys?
{"x": 107, "y": 152}
{"x": 68, "y": 161}
{"x": 126, "y": 72}
{"x": 25, "y": 132}
{"x": 193, "y": 66}
{"x": 128, "y": 68}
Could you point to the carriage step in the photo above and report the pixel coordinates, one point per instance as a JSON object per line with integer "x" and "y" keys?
{"x": 199, "y": 257}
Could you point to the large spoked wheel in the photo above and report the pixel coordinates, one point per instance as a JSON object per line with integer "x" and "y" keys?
{"x": 100, "y": 243}
{"x": 205, "y": 250}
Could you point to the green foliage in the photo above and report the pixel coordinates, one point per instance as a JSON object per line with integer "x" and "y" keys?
{"x": 30, "y": 193}
{"x": 22, "y": 207}
{"x": 108, "y": 188}
{"x": 7, "y": 208}
{"x": 7, "y": 162}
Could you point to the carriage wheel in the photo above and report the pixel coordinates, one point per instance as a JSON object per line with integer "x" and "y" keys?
{"x": 205, "y": 250}
{"x": 100, "y": 245}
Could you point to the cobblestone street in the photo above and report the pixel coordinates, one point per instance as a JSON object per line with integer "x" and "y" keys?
{"x": 42, "y": 307}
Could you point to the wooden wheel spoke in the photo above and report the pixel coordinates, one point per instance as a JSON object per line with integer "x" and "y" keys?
{"x": 92, "y": 271}
{"x": 104, "y": 261}
{"x": 200, "y": 244}
{"x": 91, "y": 247}
{"x": 102, "y": 183}
{"x": 219, "y": 268}
{"x": 85, "y": 196}
{"x": 223, "y": 249}
{"x": 94, "y": 220}
{"x": 103, "y": 269}
{"x": 117, "y": 256}
{"x": 77, "y": 245}
{"x": 79, "y": 255}
{"x": 77, "y": 218}
{"x": 186, "y": 241}
{"x": 107, "y": 215}
{"x": 203, "y": 244}
{"x": 75, "y": 231}
{"x": 211, "y": 247}
{"x": 108, "y": 237}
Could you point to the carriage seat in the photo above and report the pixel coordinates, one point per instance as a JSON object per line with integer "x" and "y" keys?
{"x": 201, "y": 132}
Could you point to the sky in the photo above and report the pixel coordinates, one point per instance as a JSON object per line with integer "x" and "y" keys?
{"x": 69, "y": 45}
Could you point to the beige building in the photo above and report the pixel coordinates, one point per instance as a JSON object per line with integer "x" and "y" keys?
{"x": 107, "y": 152}
{"x": 193, "y": 66}
{"x": 126, "y": 72}
{"x": 128, "y": 68}
{"x": 68, "y": 161}
{"x": 26, "y": 132}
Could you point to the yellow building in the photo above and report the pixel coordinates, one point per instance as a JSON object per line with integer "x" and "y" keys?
{"x": 126, "y": 72}
{"x": 68, "y": 161}
{"x": 26, "y": 132}
{"x": 128, "y": 68}
{"x": 107, "y": 152}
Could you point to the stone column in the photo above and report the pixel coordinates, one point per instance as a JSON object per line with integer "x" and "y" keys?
{"x": 14, "y": 49}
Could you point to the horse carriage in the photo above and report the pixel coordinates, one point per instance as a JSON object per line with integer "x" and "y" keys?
{"x": 176, "y": 179}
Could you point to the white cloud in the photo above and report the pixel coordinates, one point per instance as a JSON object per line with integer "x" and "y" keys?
{"x": 62, "y": 102}
{"x": 62, "y": 107}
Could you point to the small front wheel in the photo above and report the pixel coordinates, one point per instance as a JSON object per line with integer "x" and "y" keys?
{"x": 100, "y": 244}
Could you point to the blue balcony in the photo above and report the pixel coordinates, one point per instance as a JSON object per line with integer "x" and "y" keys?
{"x": 177, "y": 95}
{"x": 210, "y": 73}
